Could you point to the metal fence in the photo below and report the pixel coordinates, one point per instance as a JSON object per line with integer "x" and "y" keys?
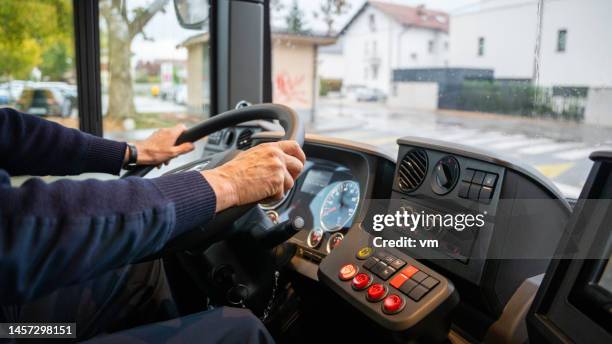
{"x": 521, "y": 99}
{"x": 477, "y": 90}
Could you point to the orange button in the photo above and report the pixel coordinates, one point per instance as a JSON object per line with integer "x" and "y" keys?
{"x": 398, "y": 280}
{"x": 409, "y": 271}
{"x": 347, "y": 272}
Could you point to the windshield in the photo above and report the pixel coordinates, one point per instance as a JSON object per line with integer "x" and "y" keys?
{"x": 530, "y": 79}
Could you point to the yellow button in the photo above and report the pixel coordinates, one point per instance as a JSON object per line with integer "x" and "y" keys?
{"x": 364, "y": 252}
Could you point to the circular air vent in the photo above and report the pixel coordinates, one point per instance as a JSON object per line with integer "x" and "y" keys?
{"x": 412, "y": 170}
{"x": 244, "y": 139}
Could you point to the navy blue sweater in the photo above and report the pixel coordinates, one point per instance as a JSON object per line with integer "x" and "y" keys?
{"x": 61, "y": 233}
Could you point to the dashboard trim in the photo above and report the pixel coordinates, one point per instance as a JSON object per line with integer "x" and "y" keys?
{"x": 331, "y": 141}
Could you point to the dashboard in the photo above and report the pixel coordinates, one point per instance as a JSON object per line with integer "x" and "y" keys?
{"x": 403, "y": 289}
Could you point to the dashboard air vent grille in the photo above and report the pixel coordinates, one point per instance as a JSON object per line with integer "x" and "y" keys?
{"x": 412, "y": 170}
{"x": 244, "y": 139}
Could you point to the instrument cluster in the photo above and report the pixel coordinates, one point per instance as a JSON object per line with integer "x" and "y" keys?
{"x": 327, "y": 196}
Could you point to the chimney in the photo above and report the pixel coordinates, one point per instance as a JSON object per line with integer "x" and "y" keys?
{"x": 420, "y": 9}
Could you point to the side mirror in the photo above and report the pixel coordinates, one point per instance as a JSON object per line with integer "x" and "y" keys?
{"x": 191, "y": 14}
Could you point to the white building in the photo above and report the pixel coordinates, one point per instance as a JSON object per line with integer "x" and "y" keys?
{"x": 575, "y": 40}
{"x": 385, "y": 36}
{"x": 330, "y": 61}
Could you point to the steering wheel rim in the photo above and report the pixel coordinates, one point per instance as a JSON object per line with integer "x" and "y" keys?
{"x": 294, "y": 130}
{"x": 287, "y": 117}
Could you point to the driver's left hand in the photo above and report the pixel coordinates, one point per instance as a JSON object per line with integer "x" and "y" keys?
{"x": 159, "y": 148}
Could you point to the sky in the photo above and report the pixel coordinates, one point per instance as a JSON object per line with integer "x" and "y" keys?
{"x": 167, "y": 34}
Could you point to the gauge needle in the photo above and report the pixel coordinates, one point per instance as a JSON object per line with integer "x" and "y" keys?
{"x": 329, "y": 211}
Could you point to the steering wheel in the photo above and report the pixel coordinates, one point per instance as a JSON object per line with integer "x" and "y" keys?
{"x": 294, "y": 130}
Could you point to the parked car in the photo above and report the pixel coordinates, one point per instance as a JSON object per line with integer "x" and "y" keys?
{"x": 13, "y": 89}
{"x": 46, "y": 101}
{"x": 350, "y": 91}
{"x": 180, "y": 94}
{"x": 4, "y": 97}
{"x": 370, "y": 95}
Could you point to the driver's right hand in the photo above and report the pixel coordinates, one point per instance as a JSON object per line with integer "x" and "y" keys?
{"x": 266, "y": 171}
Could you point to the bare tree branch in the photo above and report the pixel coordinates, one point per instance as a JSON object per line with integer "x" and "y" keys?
{"x": 143, "y": 16}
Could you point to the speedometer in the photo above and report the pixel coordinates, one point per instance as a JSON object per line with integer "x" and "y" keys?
{"x": 339, "y": 205}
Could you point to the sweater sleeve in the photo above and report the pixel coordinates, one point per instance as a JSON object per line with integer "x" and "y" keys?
{"x": 30, "y": 145}
{"x": 61, "y": 233}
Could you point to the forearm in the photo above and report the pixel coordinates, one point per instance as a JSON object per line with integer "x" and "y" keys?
{"x": 30, "y": 145}
{"x": 65, "y": 232}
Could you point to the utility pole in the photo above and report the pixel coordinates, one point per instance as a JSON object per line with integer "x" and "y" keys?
{"x": 538, "y": 44}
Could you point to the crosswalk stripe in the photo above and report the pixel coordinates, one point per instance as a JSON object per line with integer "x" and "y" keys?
{"x": 547, "y": 148}
{"x": 457, "y": 135}
{"x": 579, "y": 154}
{"x": 518, "y": 143}
{"x": 482, "y": 139}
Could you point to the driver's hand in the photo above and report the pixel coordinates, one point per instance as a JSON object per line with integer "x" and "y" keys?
{"x": 159, "y": 148}
{"x": 265, "y": 171}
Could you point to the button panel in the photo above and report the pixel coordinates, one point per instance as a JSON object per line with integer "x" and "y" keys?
{"x": 478, "y": 185}
{"x": 408, "y": 279}
{"x": 393, "y": 287}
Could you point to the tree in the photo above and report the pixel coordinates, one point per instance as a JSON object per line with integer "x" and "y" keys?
{"x": 295, "y": 19}
{"x": 30, "y": 32}
{"x": 277, "y": 5}
{"x": 330, "y": 10}
{"x": 56, "y": 61}
{"x": 121, "y": 31}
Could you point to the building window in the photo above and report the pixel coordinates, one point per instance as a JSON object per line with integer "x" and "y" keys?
{"x": 365, "y": 73}
{"x": 374, "y": 48}
{"x": 374, "y": 72}
{"x": 446, "y": 46}
{"x": 430, "y": 47}
{"x": 372, "y": 19}
{"x": 481, "y": 46}
{"x": 561, "y": 40}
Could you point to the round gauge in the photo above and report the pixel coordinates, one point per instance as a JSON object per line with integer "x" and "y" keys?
{"x": 334, "y": 241}
{"x": 339, "y": 206}
{"x": 273, "y": 216}
{"x": 314, "y": 237}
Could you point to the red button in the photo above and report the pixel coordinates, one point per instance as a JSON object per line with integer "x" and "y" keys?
{"x": 393, "y": 304}
{"x": 361, "y": 281}
{"x": 398, "y": 280}
{"x": 376, "y": 292}
{"x": 409, "y": 271}
{"x": 347, "y": 272}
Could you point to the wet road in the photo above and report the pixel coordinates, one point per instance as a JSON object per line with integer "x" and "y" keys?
{"x": 559, "y": 150}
